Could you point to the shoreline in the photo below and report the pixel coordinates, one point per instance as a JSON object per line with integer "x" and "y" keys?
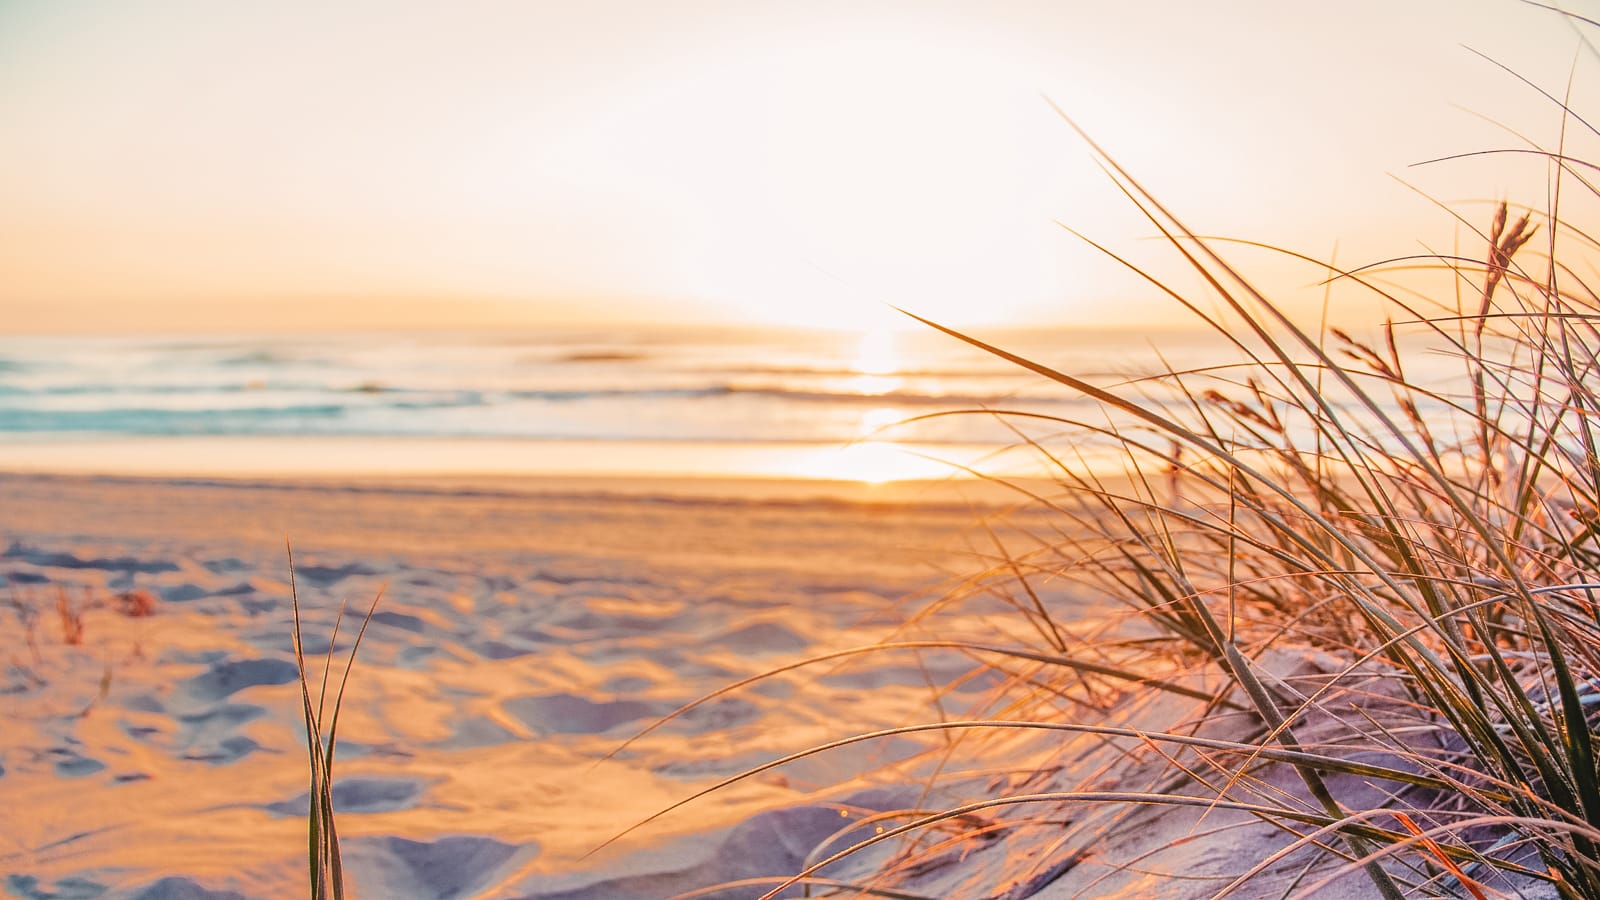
{"x": 714, "y": 523}
{"x": 867, "y": 462}
{"x": 964, "y": 492}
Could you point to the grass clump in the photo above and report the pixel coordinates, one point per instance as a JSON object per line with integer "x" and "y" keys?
{"x": 1415, "y": 513}
{"x": 325, "y": 867}
{"x": 110, "y": 647}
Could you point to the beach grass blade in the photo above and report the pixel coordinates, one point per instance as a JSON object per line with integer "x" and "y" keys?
{"x": 325, "y": 866}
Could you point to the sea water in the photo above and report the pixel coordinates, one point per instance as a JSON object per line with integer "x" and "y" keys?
{"x": 872, "y": 405}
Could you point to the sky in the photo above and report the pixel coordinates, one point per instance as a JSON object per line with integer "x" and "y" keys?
{"x": 180, "y": 166}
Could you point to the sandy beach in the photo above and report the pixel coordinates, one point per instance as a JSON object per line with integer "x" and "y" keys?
{"x": 523, "y": 634}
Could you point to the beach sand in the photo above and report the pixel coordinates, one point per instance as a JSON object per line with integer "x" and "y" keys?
{"x": 526, "y": 630}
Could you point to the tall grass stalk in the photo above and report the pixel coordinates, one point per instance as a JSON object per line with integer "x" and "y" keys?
{"x": 322, "y": 727}
{"x": 1434, "y": 540}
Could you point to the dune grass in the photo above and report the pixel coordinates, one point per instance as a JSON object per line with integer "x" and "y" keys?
{"x": 1433, "y": 541}
{"x": 326, "y": 869}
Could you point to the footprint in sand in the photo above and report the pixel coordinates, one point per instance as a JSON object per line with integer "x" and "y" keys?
{"x": 73, "y": 888}
{"x": 226, "y": 678}
{"x": 228, "y": 750}
{"x": 16, "y": 576}
{"x": 401, "y": 621}
{"x": 61, "y": 560}
{"x": 360, "y": 795}
{"x": 227, "y": 565}
{"x": 778, "y": 840}
{"x": 74, "y": 766}
{"x": 762, "y": 638}
{"x": 183, "y": 592}
{"x": 208, "y": 736}
{"x": 176, "y": 888}
{"x": 448, "y": 868}
{"x": 473, "y": 733}
{"x": 496, "y": 650}
{"x": 323, "y": 576}
{"x": 571, "y": 714}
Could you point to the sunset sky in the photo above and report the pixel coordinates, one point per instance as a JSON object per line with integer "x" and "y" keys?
{"x": 196, "y": 165}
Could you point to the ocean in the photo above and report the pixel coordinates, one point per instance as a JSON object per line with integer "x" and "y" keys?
{"x": 871, "y": 406}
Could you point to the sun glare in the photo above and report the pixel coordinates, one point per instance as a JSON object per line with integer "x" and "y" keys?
{"x": 875, "y": 420}
{"x": 875, "y": 353}
{"x": 877, "y": 363}
{"x": 872, "y": 462}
